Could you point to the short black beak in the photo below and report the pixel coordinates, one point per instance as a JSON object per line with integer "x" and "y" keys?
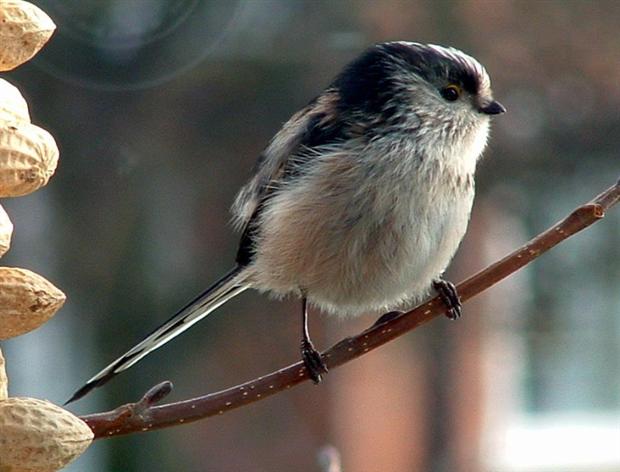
{"x": 492, "y": 108}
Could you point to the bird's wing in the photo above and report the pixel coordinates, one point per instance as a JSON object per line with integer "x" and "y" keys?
{"x": 317, "y": 125}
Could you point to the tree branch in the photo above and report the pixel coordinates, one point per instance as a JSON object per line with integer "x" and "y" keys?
{"x": 144, "y": 416}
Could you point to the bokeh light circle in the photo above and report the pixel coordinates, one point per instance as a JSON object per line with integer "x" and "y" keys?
{"x": 128, "y": 45}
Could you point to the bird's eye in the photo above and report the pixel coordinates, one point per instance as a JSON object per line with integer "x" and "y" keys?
{"x": 451, "y": 93}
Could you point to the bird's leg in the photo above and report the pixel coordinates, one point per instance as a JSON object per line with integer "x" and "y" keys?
{"x": 448, "y": 294}
{"x": 311, "y": 357}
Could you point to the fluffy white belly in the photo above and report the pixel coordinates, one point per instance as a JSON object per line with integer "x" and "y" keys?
{"x": 353, "y": 250}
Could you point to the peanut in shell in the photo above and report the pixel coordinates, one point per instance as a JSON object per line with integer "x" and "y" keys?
{"x": 27, "y": 300}
{"x": 24, "y": 29}
{"x": 38, "y": 436}
{"x": 6, "y": 231}
{"x": 4, "y": 381}
{"x": 28, "y": 158}
{"x": 13, "y": 106}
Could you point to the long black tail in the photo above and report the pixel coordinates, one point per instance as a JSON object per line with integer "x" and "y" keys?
{"x": 229, "y": 286}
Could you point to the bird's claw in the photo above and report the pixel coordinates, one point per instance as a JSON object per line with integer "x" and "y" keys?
{"x": 448, "y": 294}
{"x": 312, "y": 360}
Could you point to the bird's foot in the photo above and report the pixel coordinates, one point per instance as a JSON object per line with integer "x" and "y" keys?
{"x": 448, "y": 294}
{"x": 313, "y": 361}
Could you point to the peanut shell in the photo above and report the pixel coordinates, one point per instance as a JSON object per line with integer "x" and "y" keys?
{"x": 21, "y": 469}
{"x": 24, "y": 29}
{"x": 28, "y": 158}
{"x": 13, "y": 106}
{"x": 27, "y": 301}
{"x": 36, "y": 435}
{"x": 6, "y": 231}
{"x": 4, "y": 381}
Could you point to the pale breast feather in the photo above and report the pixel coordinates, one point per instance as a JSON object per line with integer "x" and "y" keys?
{"x": 285, "y": 159}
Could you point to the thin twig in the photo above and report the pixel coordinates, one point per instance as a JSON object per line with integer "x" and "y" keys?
{"x": 142, "y": 416}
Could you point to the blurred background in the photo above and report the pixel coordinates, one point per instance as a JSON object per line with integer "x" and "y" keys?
{"x": 160, "y": 108}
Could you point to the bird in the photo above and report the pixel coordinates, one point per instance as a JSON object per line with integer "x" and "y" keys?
{"x": 361, "y": 199}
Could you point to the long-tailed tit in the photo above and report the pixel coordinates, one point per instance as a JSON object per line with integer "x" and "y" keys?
{"x": 360, "y": 201}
